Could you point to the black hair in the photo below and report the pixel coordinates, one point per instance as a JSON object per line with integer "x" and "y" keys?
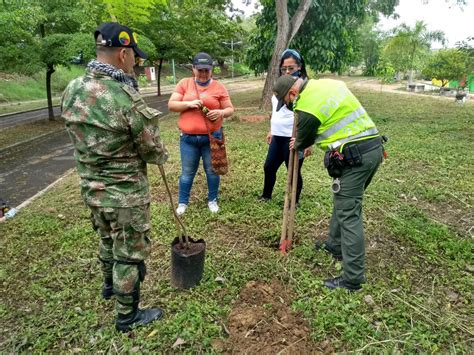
{"x": 291, "y": 53}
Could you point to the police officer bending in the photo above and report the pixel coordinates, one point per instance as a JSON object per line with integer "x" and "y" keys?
{"x": 115, "y": 134}
{"x": 332, "y": 117}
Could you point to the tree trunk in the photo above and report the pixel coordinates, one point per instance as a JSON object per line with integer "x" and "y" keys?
{"x": 286, "y": 31}
{"x": 158, "y": 76}
{"x": 49, "y": 72}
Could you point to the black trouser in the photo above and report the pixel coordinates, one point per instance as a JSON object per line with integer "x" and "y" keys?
{"x": 279, "y": 152}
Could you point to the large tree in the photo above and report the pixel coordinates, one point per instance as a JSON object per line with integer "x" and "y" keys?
{"x": 324, "y": 33}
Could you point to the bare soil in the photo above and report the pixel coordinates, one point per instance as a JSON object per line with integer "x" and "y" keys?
{"x": 262, "y": 322}
{"x": 195, "y": 247}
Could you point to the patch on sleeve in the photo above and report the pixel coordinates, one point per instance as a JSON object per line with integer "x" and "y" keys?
{"x": 132, "y": 93}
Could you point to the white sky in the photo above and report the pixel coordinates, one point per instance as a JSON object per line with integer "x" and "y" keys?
{"x": 441, "y": 15}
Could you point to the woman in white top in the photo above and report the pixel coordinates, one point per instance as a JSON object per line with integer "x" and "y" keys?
{"x": 281, "y": 127}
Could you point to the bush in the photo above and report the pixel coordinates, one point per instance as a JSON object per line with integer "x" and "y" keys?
{"x": 170, "y": 79}
{"x": 142, "y": 80}
{"x": 241, "y": 69}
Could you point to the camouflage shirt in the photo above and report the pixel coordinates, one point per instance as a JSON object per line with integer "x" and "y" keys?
{"x": 115, "y": 134}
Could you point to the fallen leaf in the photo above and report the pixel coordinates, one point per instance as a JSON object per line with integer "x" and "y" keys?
{"x": 369, "y": 300}
{"x": 220, "y": 279}
{"x": 178, "y": 342}
{"x": 399, "y": 181}
{"x": 152, "y": 333}
{"x": 414, "y": 198}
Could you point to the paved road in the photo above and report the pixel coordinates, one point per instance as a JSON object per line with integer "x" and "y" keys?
{"x": 28, "y": 168}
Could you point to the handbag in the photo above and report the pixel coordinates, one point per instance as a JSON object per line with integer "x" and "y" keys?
{"x": 219, "y": 161}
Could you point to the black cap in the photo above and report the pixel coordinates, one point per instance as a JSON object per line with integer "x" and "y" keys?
{"x": 281, "y": 88}
{"x": 117, "y": 35}
{"x": 202, "y": 61}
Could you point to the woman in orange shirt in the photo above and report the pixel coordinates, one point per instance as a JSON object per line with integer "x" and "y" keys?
{"x": 188, "y": 98}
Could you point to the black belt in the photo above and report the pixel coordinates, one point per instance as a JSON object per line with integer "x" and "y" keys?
{"x": 365, "y": 145}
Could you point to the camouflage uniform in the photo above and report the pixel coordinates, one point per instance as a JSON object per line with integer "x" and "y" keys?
{"x": 115, "y": 134}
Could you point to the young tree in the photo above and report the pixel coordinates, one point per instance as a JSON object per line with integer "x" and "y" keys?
{"x": 447, "y": 65}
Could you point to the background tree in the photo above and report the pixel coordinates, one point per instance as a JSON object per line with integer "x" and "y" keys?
{"x": 408, "y": 49}
{"x": 447, "y": 65}
{"x": 181, "y": 29}
{"x": 368, "y": 45}
{"x": 467, "y": 46}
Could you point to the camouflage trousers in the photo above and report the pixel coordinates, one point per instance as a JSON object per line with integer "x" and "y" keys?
{"x": 124, "y": 245}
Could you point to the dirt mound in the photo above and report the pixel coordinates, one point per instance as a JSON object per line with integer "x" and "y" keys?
{"x": 253, "y": 118}
{"x": 263, "y": 323}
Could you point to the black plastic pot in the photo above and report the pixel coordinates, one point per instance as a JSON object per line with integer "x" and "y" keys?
{"x": 187, "y": 264}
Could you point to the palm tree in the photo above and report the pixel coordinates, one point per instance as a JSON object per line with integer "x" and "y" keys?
{"x": 417, "y": 41}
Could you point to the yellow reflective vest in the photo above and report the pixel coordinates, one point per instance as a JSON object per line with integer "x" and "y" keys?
{"x": 342, "y": 117}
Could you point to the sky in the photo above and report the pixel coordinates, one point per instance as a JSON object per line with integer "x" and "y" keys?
{"x": 441, "y": 15}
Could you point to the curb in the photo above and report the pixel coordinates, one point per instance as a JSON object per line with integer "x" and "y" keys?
{"x": 3, "y": 150}
{"x": 25, "y": 111}
{"x": 42, "y": 192}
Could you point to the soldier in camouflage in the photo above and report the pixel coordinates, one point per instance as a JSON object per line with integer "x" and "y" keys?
{"x": 115, "y": 134}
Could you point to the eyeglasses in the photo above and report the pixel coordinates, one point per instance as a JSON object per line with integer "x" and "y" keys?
{"x": 289, "y": 69}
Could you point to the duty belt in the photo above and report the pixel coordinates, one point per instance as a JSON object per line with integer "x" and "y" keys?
{"x": 366, "y": 145}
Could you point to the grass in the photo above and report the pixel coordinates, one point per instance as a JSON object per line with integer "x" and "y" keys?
{"x": 418, "y": 219}
{"x": 15, "y": 88}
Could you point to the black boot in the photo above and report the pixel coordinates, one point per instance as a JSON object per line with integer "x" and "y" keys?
{"x": 319, "y": 245}
{"x": 107, "y": 288}
{"x": 339, "y": 282}
{"x": 137, "y": 318}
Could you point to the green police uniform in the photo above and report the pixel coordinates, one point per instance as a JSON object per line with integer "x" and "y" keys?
{"x": 115, "y": 134}
{"x": 332, "y": 117}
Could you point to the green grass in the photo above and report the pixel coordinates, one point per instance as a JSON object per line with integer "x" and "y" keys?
{"x": 418, "y": 215}
{"x": 21, "y": 88}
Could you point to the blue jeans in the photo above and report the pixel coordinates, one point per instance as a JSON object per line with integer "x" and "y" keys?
{"x": 193, "y": 147}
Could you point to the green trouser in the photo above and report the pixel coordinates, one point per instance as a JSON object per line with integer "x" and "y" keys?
{"x": 124, "y": 245}
{"x": 346, "y": 230}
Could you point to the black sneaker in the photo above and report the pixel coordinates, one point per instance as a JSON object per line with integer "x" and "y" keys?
{"x": 339, "y": 282}
{"x": 264, "y": 199}
{"x": 321, "y": 245}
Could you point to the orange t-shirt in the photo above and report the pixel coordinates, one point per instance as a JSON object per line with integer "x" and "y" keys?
{"x": 193, "y": 121}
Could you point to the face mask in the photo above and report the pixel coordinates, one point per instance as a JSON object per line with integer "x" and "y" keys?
{"x": 296, "y": 74}
{"x": 205, "y": 83}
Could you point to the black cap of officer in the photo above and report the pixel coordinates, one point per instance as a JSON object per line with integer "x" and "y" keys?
{"x": 117, "y": 35}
